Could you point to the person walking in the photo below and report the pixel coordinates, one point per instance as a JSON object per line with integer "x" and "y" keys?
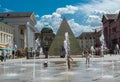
{"x": 87, "y": 56}
{"x": 13, "y": 54}
{"x": 117, "y": 49}
{"x": 63, "y": 52}
{"x": 4, "y": 55}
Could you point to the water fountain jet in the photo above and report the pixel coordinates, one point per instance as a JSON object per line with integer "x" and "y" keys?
{"x": 67, "y": 49}
{"x": 103, "y": 46}
{"x": 92, "y": 53}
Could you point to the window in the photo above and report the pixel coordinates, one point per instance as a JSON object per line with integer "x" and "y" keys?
{"x": 1, "y": 28}
{"x": 114, "y": 41}
{"x": 4, "y": 38}
{"x": 5, "y": 29}
{"x": 81, "y": 46}
{"x": 0, "y": 37}
{"x": 81, "y": 41}
{"x": 22, "y": 43}
{"x": 86, "y": 46}
{"x": 114, "y": 29}
{"x": 119, "y": 39}
{"x": 80, "y": 37}
{"x": 21, "y": 31}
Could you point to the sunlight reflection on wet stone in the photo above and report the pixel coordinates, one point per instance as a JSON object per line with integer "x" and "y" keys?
{"x": 56, "y": 72}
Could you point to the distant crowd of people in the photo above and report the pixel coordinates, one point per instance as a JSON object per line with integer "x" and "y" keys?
{"x": 3, "y": 55}
{"x": 7, "y": 54}
{"x": 117, "y": 49}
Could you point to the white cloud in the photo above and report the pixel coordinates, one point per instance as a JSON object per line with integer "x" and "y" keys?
{"x": 95, "y": 10}
{"x": 39, "y": 25}
{"x": 94, "y": 20}
{"x": 92, "y": 14}
{"x": 56, "y": 15}
{"x": 69, "y": 9}
{"x": 109, "y": 6}
{"x": 53, "y": 20}
{"x": 77, "y": 28}
{"x": 2, "y": 9}
{"x": 37, "y": 16}
{"x": 7, "y": 10}
{"x": 46, "y": 16}
{"x": 117, "y": 11}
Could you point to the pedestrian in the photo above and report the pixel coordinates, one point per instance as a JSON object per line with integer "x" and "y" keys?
{"x": 45, "y": 63}
{"x": 110, "y": 51}
{"x": 83, "y": 53}
{"x": 87, "y": 56}
{"x": 69, "y": 59}
{"x": 13, "y": 54}
{"x": 63, "y": 52}
{"x": 117, "y": 49}
{"x": 4, "y": 55}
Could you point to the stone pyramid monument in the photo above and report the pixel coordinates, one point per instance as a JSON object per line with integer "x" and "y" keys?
{"x": 58, "y": 42}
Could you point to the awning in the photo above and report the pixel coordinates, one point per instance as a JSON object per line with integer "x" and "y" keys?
{"x": 9, "y": 49}
{"x": 1, "y": 46}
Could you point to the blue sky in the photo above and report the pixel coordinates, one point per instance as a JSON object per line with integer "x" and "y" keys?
{"x": 40, "y": 7}
{"x": 82, "y": 15}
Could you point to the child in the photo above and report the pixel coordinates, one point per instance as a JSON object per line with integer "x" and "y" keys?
{"x": 87, "y": 55}
{"x": 68, "y": 59}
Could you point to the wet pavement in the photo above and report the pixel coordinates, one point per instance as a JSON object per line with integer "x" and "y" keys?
{"x": 105, "y": 69}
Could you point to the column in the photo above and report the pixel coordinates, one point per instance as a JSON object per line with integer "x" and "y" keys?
{"x": 16, "y": 35}
{"x": 1, "y": 37}
{"x": 27, "y": 34}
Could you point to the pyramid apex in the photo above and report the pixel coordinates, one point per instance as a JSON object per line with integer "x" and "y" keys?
{"x": 64, "y": 19}
{"x": 59, "y": 40}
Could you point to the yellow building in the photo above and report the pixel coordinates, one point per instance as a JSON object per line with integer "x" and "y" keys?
{"x": 6, "y": 35}
{"x": 24, "y": 27}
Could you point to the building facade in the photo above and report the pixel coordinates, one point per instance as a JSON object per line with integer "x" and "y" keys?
{"x": 86, "y": 40}
{"x": 23, "y": 23}
{"x": 111, "y": 25}
{"x": 6, "y": 36}
{"x": 97, "y": 35}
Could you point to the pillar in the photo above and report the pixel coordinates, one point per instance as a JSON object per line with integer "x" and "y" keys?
{"x": 16, "y": 35}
